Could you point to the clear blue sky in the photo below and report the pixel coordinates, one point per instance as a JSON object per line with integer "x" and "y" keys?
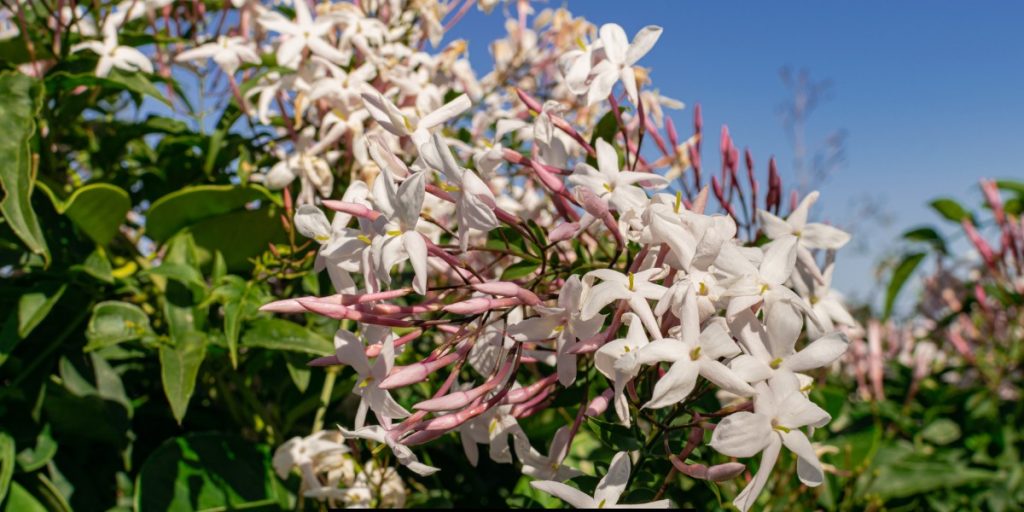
{"x": 929, "y": 93}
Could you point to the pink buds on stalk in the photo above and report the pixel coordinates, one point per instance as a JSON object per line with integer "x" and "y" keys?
{"x": 478, "y": 305}
{"x": 716, "y": 473}
{"x": 600, "y": 403}
{"x": 508, "y": 289}
{"x": 563, "y": 231}
{"x": 599, "y": 209}
{"x": 417, "y": 372}
{"x": 357, "y": 210}
{"x": 340, "y": 312}
{"x": 979, "y": 243}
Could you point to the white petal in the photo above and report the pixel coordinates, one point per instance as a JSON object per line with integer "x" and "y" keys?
{"x": 774, "y": 227}
{"x": 821, "y": 236}
{"x": 607, "y": 161}
{"x": 822, "y": 352}
{"x": 742, "y": 434}
{"x": 809, "y": 467}
{"x": 748, "y": 497}
{"x": 779, "y": 260}
{"x": 750, "y": 368}
{"x": 349, "y": 350}
{"x": 675, "y": 385}
{"x": 798, "y": 219}
{"x": 570, "y": 495}
{"x": 601, "y": 295}
{"x": 310, "y": 222}
{"x": 445, "y": 112}
{"x": 643, "y": 41}
{"x": 615, "y": 43}
{"x": 416, "y": 247}
{"x": 613, "y": 484}
{"x": 725, "y": 378}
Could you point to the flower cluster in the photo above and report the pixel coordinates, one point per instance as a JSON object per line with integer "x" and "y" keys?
{"x": 510, "y": 237}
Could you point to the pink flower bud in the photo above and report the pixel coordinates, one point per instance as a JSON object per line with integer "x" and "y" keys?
{"x": 508, "y": 289}
{"x": 416, "y": 372}
{"x": 288, "y": 306}
{"x": 528, "y": 100}
{"x": 454, "y": 400}
{"x": 563, "y": 231}
{"x": 453, "y": 420}
{"x": 479, "y": 305}
{"x": 523, "y": 394}
{"x": 423, "y": 436}
{"x": 355, "y": 209}
{"x": 599, "y": 404}
{"x": 670, "y": 128}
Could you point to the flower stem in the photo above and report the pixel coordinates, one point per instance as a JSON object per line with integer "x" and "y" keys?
{"x": 325, "y": 398}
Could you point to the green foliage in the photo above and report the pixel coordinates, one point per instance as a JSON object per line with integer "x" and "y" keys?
{"x": 899, "y": 278}
{"x": 208, "y": 471}
{"x": 21, "y": 100}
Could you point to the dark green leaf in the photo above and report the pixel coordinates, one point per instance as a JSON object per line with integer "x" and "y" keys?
{"x": 950, "y": 209}
{"x": 1011, "y": 185}
{"x": 98, "y": 209}
{"x": 20, "y": 500}
{"x": 616, "y": 437}
{"x": 7, "y": 462}
{"x": 899, "y": 278}
{"x": 31, "y": 459}
{"x": 941, "y": 431}
{"x": 35, "y": 305}
{"x": 278, "y": 334}
{"x": 926, "y": 235}
{"x": 519, "y": 269}
{"x": 21, "y": 101}
{"x": 207, "y": 472}
{"x": 115, "y": 322}
{"x": 181, "y": 209}
{"x": 179, "y": 366}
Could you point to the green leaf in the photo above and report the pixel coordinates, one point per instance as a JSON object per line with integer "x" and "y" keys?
{"x": 519, "y": 269}
{"x": 115, "y": 322}
{"x": 136, "y": 83}
{"x": 22, "y": 99}
{"x": 181, "y": 209}
{"x": 904, "y": 478}
{"x": 616, "y": 437}
{"x": 899, "y": 278}
{"x": 278, "y": 334}
{"x": 950, "y": 209}
{"x": 238, "y": 236}
{"x": 298, "y": 371}
{"x": 34, "y": 306}
{"x": 1011, "y": 185}
{"x": 20, "y": 500}
{"x": 7, "y": 462}
{"x": 245, "y": 304}
{"x": 941, "y": 431}
{"x": 98, "y": 209}
{"x": 208, "y": 472}
{"x": 179, "y": 366}
{"x": 97, "y": 265}
{"x": 180, "y": 272}
{"x": 182, "y": 308}
{"x": 926, "y": 235}
{"x": 606, "y": 128}
{"x": 31, "y": 459}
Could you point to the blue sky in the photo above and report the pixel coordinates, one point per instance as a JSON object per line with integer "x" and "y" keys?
{"x": 927, "y": 93}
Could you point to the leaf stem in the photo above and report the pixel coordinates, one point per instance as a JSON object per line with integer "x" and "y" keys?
{"x": 325, "y": 398}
